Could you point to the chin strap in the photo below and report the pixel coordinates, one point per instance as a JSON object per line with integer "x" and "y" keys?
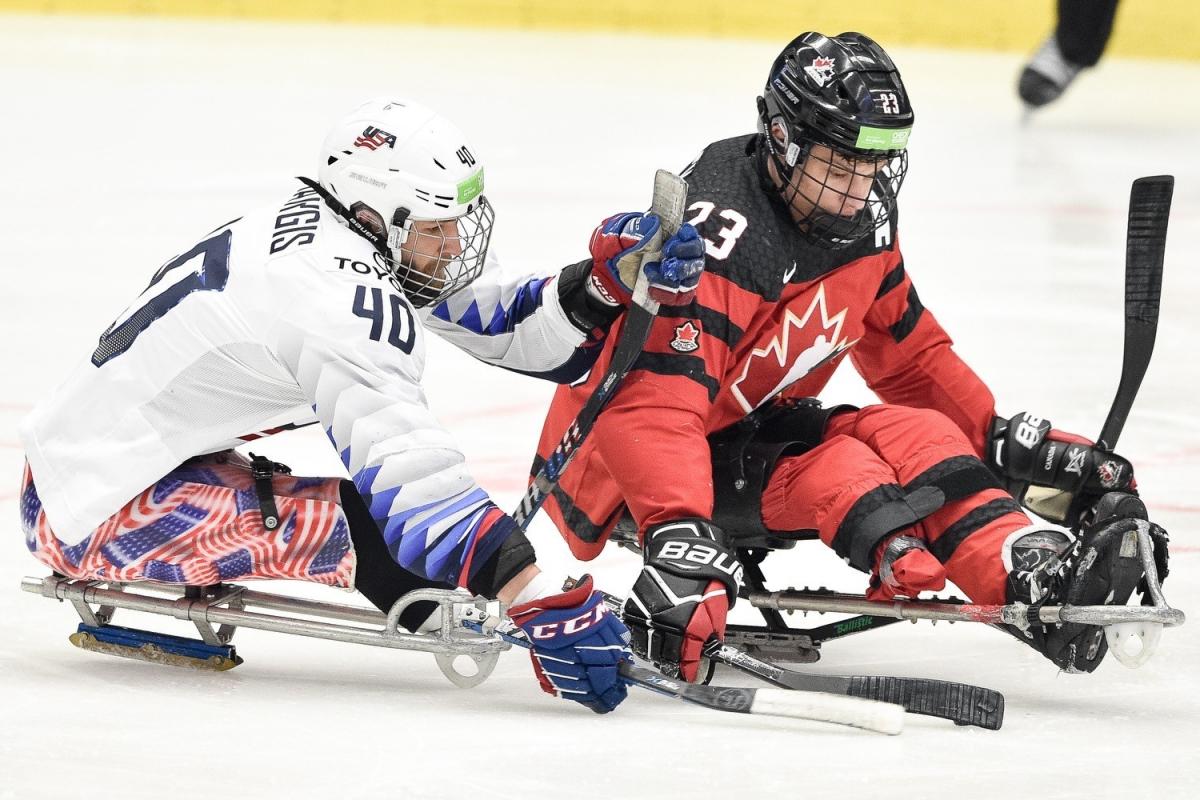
{"x": 379, "y": 241}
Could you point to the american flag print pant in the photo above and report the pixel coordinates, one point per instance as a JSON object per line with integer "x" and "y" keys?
{"x": 201, "y": 524}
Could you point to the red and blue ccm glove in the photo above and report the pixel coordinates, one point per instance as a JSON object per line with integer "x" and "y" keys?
{"x": 577, "y": 645}
{"x": 625, "y": 244}
{"x": 680, "y": 601}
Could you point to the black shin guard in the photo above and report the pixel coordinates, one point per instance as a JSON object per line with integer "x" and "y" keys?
{"x": 382, "y": 581}
{"x": 514, "y": 555}
{"x": 377, "y": 575}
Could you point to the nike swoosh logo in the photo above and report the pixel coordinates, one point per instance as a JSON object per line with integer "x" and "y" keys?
{"x": 787, "y": 276}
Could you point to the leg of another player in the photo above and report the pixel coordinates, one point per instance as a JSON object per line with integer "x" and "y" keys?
{"x": 1084, "y": 28}
{"x": 1079, "y": 39}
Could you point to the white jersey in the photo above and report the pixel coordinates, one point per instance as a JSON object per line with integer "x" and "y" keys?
{"x": 286, "y": 316}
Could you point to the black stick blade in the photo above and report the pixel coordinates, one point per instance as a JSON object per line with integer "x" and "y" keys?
{"x": 960, "y": 702}
{"x": 1146, "y": 243}
{"x": 1145, "y": 246}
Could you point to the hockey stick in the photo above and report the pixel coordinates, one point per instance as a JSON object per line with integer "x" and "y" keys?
{"x": 670, "y": 194}
{"x": 855, "y": 712}
{"x": 1145, "y": 246}
{"x": 960, "y": 703}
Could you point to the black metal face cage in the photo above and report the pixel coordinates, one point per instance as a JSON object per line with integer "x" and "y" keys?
{"x": 432, "y": 265}
{"x": 829, "y": 181}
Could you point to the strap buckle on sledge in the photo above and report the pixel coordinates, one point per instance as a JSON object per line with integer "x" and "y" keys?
{"x": 262, "y": 470}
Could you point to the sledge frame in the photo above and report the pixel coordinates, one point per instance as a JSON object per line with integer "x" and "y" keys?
{"x": 218, "y": 611}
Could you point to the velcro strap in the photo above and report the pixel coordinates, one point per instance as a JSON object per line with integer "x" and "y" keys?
{"x": 889, "y": 508}
{"x": 945, "y": 545}
{"x": 876, "y": 515}
{"x": 957, "y": 477}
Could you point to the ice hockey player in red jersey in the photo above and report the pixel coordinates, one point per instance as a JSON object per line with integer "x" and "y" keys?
{"x": 315, "y": 309}
{"x": 714, "y": 435}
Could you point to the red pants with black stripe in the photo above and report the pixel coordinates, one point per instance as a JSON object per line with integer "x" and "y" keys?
{"x": 881, "y": 446}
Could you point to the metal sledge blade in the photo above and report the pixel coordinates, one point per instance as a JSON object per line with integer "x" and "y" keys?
{"x": 156, "y": 648}
{"x": 1133, "y": 643}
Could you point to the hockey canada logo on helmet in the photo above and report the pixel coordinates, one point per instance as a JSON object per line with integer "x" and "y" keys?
{"x": 393, "y": 170}
{"x": 820, "y": 70}
{"x": 834, "y": 121}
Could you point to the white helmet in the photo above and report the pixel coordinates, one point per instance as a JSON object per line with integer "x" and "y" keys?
{"x": 393, "y": 164}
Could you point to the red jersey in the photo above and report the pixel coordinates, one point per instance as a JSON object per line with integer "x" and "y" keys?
{"x": 773, "y": 314}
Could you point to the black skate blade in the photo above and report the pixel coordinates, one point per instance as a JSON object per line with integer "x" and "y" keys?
{"x": 156, "y": 648}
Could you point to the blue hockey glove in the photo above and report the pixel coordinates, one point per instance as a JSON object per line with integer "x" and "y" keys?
{"x": 673, "y": 280}
{"x": 626, "y": 243}
{"x": 577, "y": 645}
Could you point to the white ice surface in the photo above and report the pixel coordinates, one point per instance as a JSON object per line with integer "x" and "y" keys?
{"x": 124, "y": 140}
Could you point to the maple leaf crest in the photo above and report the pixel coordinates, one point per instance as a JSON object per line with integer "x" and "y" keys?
{"x": 686, "y": 336}
{"x": 827, "y": 344}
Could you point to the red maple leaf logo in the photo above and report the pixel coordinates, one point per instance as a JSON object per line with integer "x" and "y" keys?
{"x": 685, "y": 338}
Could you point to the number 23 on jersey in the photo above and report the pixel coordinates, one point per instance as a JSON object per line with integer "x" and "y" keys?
{"x": 727, "y": 236}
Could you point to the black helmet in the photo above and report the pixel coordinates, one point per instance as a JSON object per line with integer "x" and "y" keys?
{"x": 844, "y": 93}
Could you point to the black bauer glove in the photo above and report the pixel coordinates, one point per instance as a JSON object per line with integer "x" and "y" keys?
{"x": 1056, "y": 475}
{"x": 688, "y": 584}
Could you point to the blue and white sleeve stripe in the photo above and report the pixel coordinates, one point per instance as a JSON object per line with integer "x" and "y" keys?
{"x": 516, "y": 323}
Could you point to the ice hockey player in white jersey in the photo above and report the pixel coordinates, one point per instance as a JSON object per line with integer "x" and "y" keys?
{"x": 315, "y": 308}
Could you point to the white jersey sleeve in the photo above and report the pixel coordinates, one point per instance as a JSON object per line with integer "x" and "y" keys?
{"x": 515, "y": 321}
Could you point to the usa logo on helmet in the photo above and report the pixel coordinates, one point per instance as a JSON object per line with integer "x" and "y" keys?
{"x": 373, "y": 138}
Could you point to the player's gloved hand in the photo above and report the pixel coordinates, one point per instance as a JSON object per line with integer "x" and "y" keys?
{"x": 625, "y": 244}
{"x": 904, "y": 566}
{"x": 688, "y": 584}
{"x": 577, "y": 645}
{"x": 1054, "y": 474}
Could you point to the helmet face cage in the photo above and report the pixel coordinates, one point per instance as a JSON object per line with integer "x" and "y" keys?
{"x": 841, "y": 196}
{"x": 433, "y": 259}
